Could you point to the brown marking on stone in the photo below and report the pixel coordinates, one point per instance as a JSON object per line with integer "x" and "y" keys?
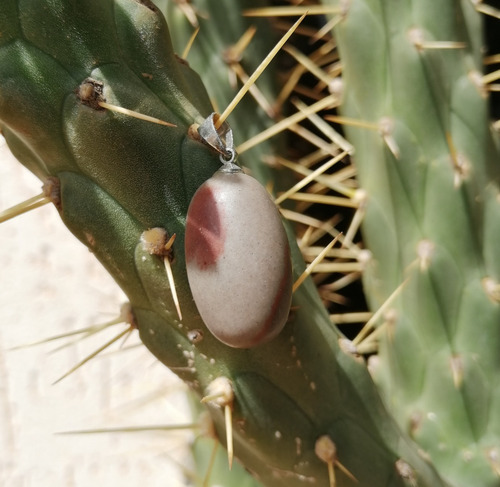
{"x": 205, "y": 236}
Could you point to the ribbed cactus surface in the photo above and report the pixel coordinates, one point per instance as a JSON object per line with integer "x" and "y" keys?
{"x": 118, "y": 177}
{"x": 431, "y": 174}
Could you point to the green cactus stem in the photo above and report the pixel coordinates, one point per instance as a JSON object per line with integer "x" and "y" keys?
{"x": 431, "y": 176}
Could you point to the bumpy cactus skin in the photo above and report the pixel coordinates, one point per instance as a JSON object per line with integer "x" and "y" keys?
{"x": 432, "y": 217}
{"x": 120, "y": 176}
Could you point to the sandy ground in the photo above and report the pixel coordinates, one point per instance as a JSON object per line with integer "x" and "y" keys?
{"x": 51, "y": 284}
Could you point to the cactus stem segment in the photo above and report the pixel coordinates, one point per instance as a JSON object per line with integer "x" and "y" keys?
{"x": 131, "y": 113}
{"x": 313, "y": 264}
{"x": 258, "y": 71}
{"x": 220, "y": 393}
{"x": 155, "y": 241}
{"x": 50, "y": 194}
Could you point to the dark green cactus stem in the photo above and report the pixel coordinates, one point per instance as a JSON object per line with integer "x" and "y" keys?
{"x": 121, "y": 176}
{"x": 433, "y": 219}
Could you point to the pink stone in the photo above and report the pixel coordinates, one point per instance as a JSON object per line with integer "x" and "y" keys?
{"x": 238, "y": 260}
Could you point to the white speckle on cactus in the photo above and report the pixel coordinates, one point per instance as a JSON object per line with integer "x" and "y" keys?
{"x": 277, "y": 435}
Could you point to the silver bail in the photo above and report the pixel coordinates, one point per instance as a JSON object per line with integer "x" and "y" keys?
{"x": 220, "y": 140}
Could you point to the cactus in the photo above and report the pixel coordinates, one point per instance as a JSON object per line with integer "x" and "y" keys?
{"x": 432, "y": 214}
{"x": 300, "y": 397}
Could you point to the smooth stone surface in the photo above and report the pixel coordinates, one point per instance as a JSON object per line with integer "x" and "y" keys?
{"x": 238, "y": 260}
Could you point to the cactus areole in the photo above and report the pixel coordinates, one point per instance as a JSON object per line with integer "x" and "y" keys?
{"x": 237, "y": 253}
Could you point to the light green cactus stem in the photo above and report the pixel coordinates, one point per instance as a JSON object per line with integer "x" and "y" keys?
{"x": 120, "y": 176}
{"x": 433, "y": 219}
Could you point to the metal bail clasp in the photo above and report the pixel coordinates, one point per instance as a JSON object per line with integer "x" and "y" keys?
{"x": 220, "y": 140}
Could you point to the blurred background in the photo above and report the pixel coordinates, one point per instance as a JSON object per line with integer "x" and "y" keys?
{"x": 49, "y": 285}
